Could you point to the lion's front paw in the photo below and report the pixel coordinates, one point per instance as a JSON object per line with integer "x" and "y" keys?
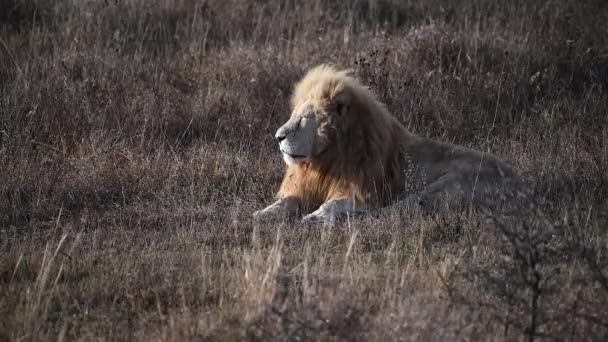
{"x": 319, "y": 216}
{"x": 273, "y": 212}
{"x": 258, "y": 214}
{"x": 265, "y": 215}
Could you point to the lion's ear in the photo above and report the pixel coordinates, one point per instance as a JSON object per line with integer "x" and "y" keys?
{"x": 341, "y": 99}
{"x": 341, "y": 109}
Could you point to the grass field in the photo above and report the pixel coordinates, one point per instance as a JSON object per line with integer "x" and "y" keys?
{"x": 136, "y": 141}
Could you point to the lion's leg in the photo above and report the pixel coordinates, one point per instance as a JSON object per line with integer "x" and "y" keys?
{"x": 283, "y": 207}
{"x": 332, "y": 210}
{"x": 444, "y": 192}
{"x": 412, "y": 202}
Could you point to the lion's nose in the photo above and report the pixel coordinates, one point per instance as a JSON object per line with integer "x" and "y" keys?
{"x": 281, "y": 134}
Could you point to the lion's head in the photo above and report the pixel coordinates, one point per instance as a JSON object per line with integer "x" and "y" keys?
{"x": 334, "y": 118}
{"x": 304, "y": 136}
{"x": 319, "y": 105}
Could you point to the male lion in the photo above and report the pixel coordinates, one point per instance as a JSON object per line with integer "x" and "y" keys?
{"x": 346, "y": 153}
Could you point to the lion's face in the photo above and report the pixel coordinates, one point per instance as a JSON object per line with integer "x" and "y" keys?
{"x": 308, "y": 133}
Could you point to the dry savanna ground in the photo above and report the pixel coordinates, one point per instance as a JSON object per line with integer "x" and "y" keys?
{"x": 136, "y": 142}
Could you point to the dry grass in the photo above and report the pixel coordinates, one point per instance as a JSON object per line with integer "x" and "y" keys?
{"x": 136, "y": 141}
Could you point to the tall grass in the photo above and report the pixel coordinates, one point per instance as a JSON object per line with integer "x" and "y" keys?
{"x": 147, "y": 127}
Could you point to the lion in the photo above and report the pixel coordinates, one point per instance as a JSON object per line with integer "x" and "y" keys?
{"x": 346, "y": 155}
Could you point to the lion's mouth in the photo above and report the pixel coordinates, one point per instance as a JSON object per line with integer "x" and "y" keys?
{"x": 294, "y": 156}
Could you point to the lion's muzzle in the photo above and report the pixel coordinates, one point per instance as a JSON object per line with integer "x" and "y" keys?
{"x": 296, "y": 138}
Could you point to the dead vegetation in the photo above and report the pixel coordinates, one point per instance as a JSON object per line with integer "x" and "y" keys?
{"x": 136, "y": 141}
